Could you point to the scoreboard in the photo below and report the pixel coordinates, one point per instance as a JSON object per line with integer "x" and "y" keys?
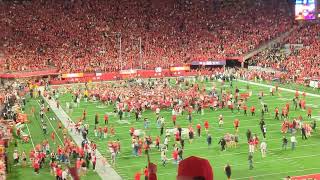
{"x": 305, "y": 10}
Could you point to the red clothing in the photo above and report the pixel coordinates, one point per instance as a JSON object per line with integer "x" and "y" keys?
{"x": 59, "y": 172}
{"x": 158, "y": 140}
{"x": 206, "y": 124}
{"x": 177, "y": 136}
{"x": 245, "y": 107}
{"x": 131, "y": 130}
{"x": 288, "y": 106}
{"x": 174, "y": 118}
{"x": 175, "y": 155}
{"x": 52, "y": 136}
{"x": 106, "y": 117}
{"x": 253, "y": 109}
{"x": 146, "y": 172}
{"x": 236, "y": 123}
{"x": 78, "y": 164}
{"x": 137, "y": 176}
{"x": 36, "y": 165}
{"x": 198, "y": 126}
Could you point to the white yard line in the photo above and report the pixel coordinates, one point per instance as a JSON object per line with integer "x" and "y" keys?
{"x": 30, "y": 137}
{"x": 52, "y": 126}
{"x": 270, "y": 86}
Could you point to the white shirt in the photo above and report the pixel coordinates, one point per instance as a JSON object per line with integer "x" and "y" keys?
{"x": 263, "y": 145}
{"x": 173, "y": 112}
{"x": 166, "y": 140}
{"x": 293, "y": 139}
{"x": 64, "y": 174}
{"x": 15, "y": 155}
{"x": 163, "y": 155}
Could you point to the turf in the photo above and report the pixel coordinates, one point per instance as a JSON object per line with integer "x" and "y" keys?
{"x": 278, "y": 163}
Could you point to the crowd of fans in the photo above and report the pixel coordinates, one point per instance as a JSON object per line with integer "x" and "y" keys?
{"x": 300, "y": 62}
{"x": 78, "y": 36}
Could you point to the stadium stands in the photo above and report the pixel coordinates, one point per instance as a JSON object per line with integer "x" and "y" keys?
{"x": 83, "y": 36}
{"x": 299, "y": 63}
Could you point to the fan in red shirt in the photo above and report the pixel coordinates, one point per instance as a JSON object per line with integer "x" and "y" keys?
{"x": 137, "y": 176}
{"x": 53, "y": 137}
{"x": 206, "y": 126}
{"x": 106, "y": 119}
{"x": 297, "y": 94}
{"x": 146, "y": 173}
{"x": 287, "y": 106}
{"x": 276, "y": 111}
{"x": 105, "y": 132}
{"x": 253, "y": 109}
{"x": 309, "y": 112}
{"x": 38, "y": 147}
{"x": 131, "y": 131}
{"x": 158, "y": 142}
{"x": 36, "y": 166}
{"x": 177, "y": 136}
{"x": 59, "y": 172}
{"x": 174, "y": 119}
{"x": 284, "y": 127}
{"x": 236, "y": 124}
{"x": 175, "y": 154}
{"x": 53, "y": 166}
{"x": 199, "y": 129}
{"x": 31, "y": 155}
{"x": 284, "y": 113}
{"x": 245, "y": 108}
{"x": 256, "y": 142}
{"x": 303, "y": 104}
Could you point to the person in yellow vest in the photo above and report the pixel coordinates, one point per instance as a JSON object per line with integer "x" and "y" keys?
{"x": 86, "y": 95}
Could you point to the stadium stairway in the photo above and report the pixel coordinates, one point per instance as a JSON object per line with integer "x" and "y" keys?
{"x": 269, "y": 43}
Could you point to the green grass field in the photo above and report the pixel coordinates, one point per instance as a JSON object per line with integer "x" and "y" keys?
{"x": 278, "y": 163}
{"x": 26, "y": 173}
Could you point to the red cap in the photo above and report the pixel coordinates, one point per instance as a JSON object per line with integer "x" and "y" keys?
{"x": 195, "y": 167}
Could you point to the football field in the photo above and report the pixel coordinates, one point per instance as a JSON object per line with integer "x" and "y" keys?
{"x": 278, "y": 163}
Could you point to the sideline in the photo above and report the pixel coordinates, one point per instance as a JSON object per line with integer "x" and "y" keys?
{"x": 269, "y": 86}
{"x": 34, "y": 148}
{"x": 103, "y": 168}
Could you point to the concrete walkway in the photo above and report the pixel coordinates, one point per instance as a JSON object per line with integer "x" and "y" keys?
{"x": 103, "y": 168}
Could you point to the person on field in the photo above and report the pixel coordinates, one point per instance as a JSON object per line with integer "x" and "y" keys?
{"x": 263, "y": 148}
{"x": 293, "y": 142}
{"x": 284, "y": 143}
{"x": 227, "y": 170}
